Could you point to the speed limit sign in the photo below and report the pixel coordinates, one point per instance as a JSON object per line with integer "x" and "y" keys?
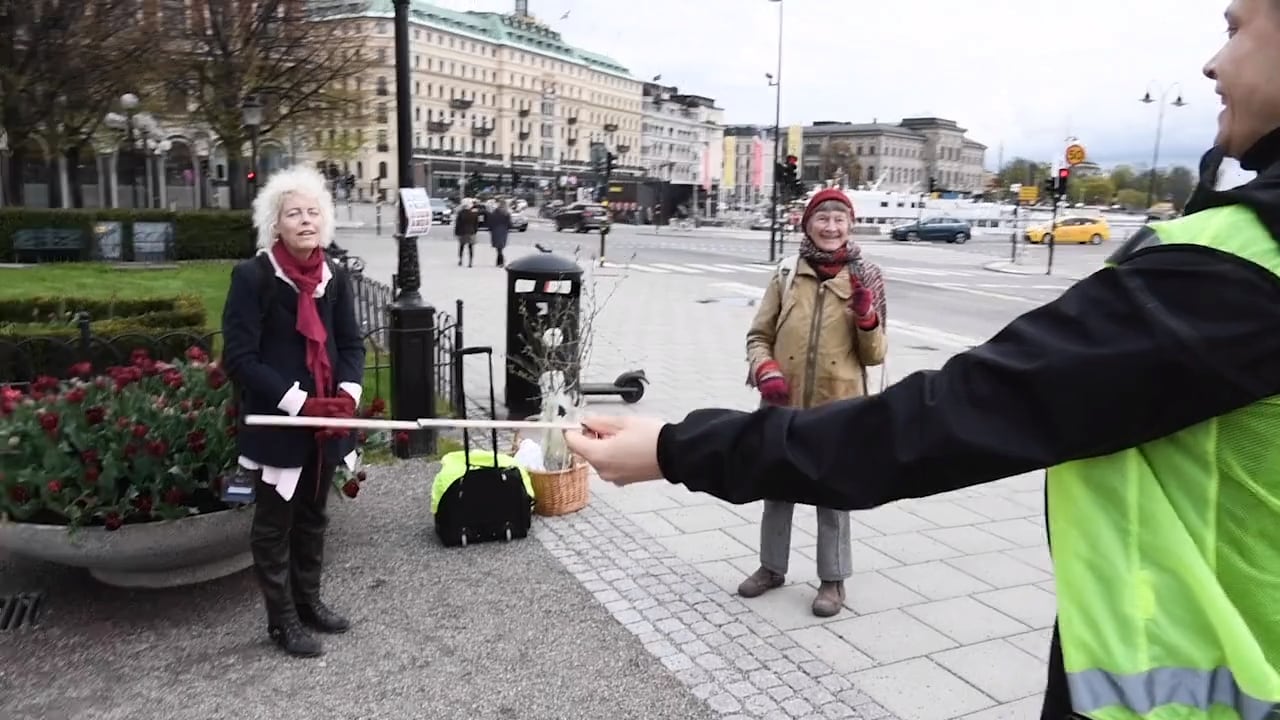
{"x": 1075, "y": 154}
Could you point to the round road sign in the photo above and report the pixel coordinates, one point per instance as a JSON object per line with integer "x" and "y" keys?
{"x": 1075, "y": 154}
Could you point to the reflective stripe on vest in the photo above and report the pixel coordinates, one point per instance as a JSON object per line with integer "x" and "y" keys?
{"x": 1167, "y": 556}
{"x": 1143, "y": 693}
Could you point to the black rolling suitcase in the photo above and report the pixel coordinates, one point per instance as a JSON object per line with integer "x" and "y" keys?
{"x": 484, "y": 503}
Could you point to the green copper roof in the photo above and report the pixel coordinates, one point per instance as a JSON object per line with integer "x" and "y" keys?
{"x": 491, "y": 27}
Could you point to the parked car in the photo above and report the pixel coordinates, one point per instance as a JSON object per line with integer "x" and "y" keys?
{"x": 1092, "y": 230}
{"x": 582, "y": 217}
{"x": 933, "y": 229}
{"x": 519, "y": 223}
{"x": 441, "y": 213}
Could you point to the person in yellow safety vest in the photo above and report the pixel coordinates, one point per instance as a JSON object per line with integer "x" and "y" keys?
{"x": 1151, "y": 389}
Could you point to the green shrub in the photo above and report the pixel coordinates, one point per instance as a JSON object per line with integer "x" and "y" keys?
{"x": 197, "y": 234}
{"x": 56, "y": 317}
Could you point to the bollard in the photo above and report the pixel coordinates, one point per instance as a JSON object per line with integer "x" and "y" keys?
{"x": 377, "y": 217}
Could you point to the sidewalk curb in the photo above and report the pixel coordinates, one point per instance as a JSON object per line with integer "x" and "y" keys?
{"x": 1008, "y": 268}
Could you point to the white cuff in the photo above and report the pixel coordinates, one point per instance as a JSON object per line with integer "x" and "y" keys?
{"x": 352, "y": 389}
{"x": 293, "y": 400}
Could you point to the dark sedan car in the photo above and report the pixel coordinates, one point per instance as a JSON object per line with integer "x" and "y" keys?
{"x": 934, "y": 229}
{"x": 582, "y": 217}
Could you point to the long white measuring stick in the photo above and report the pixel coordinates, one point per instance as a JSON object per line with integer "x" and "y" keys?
{"x": 374, "y": 424}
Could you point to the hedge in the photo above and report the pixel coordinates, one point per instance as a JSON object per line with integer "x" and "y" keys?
{"x": 48, "y": 331}
{"x": 197, "y": 234}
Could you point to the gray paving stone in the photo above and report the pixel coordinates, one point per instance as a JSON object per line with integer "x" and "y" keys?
{"x": 969, "y": 540}
{"x": 897, "y": 688}
{"x": 760, "y": 704}
{"x": 873, "y": 592}
{"x": 966, "y": 620}
{"x": 797, "y": 706}
{"x": 1027, "y": 604}
{"x": 724, "y": 703}
{"x": 999, "y": 569}
{"x": 838, "y": 711}
{"x": 891, "y": 636}
{"x": 996, "y": 667}
{"x": 781, "y": 692}
{"x": 936, "y": 580}
{"x": 1019, "y": 531}
{"x": 911, "y": 547}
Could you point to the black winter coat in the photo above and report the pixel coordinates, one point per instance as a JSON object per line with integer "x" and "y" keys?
{"x": 265, "y": 355}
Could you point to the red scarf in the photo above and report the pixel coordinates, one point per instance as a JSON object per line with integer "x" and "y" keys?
{"x": 306, "y": 275}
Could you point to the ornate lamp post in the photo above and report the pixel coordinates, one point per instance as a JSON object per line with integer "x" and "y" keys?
{"x": 251, "y": 111}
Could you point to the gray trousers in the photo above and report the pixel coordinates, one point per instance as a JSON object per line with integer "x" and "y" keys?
{"x": 834, "y": 546}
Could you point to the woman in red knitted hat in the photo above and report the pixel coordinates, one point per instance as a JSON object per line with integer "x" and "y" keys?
{"x": 818, "y": 327}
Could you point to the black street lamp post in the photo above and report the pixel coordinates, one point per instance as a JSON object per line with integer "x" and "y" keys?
{"x": 412, "y": 320}
{"x": 251, "y": 115}
{"x": 1155, "y": 155}
{"x": 776, "y": 82}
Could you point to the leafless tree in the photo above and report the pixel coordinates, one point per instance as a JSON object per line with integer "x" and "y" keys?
{"x": 62, "y": 64}
{"x": 300, "y": 64}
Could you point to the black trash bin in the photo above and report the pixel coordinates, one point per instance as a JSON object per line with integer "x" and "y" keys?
{"x": 544, "y": 292}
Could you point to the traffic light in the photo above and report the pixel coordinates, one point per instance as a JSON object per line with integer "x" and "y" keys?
{"x": 515, "y": 180}
{"x": 252, "y": 177}
{"x": 933, "y": 185}
{"x": 609, "y": 160}
{"x": 1064, "y": 175}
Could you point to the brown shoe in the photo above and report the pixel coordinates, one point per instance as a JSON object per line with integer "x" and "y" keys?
{"x": 830, "y": 599}
{"x": 760, "y": 582}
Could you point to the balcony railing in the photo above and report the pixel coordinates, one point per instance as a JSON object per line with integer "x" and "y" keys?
{"x": 439, "y": 126}
{"x": 610, "y": 127}
{"x": 481, "y": 132}
{"x": 572, "y": 120}
{"x": 524, "y": 112}
{"x": 461, "y": 103}
{"x": 624, "y": 149}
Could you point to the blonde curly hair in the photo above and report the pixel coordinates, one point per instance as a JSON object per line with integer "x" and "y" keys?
{"x": 298, "y": 179}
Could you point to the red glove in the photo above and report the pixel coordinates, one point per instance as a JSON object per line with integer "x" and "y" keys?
{"x": 861, "y": 305}
{"x": 772, "y": 384}
{"x": 344, "y": 406}
{"x": 317, "y": 407}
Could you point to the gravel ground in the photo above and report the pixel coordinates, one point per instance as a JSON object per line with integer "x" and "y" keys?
{"x": 487, "y": 631}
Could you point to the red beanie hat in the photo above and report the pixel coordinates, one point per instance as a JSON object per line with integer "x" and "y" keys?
{"x": 823, "y": 196}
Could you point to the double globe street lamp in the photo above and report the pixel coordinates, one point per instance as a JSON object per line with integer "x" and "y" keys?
{"x": 1148, "y": 99}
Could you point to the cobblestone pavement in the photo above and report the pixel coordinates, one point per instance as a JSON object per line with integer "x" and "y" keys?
{"x": 950, "y": 606}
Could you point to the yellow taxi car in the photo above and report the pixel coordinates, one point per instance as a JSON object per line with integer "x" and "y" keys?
{"x": 1079, "y": 230}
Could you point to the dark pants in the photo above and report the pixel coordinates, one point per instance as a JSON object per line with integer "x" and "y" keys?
{"x": 288, "y": 541}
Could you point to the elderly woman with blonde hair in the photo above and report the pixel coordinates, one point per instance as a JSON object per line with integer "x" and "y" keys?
{"x": 293, "y": 347}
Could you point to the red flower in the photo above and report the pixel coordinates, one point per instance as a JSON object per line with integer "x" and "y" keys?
{"x": 195, "y": 353}
{"x": 402, "y": 437}
{"x": 140, "y": 431}
{"x": 158, "y": 448}
{"x": 377, "y": 406}
{"x": 44, "y": 384}
{"x": 112, "y": 521}
{"x": 351, "y": 488}
{"x": 94, "y": 415}
{"x": 143, "y": 504}
{"x": 173, "y": 379}
{"x": 89, "y": 457}
{"x": 231, "y": 411}
{"x": 101, "y": 382}
{"x": 49, "y": 423}
{"x": 139, "y": 357}
{"x": 123, "y": 422}
{"x": 9, "y": 399}
{"x": 54, "y": 486}
{"x": 217, "y": 378}
{"x": 81, "y": 369}
{"x": 75, "y": 395}
{"x": 91, "y": 474}
{"x": 173, "y": 496}
{"x": 197, "y": 441}
{"x": 19, "y": 494}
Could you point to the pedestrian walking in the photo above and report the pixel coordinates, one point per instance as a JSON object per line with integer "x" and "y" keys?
{"x": 818, "y": 327}
{"x": 499, "y": 223}
{"x": 1151, "y": 391}
{"x": 292, "y": 346}
{"x": 465, "y": 227}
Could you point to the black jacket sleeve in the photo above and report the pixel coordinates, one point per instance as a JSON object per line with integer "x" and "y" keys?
{"x": 347, "y": 337}
{"x": 242, "y": 336}
{"x": 1173, "y": 336}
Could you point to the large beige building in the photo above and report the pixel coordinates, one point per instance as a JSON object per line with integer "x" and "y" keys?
{"x": 497, "y": 95}
{"x": 898, "y": 157}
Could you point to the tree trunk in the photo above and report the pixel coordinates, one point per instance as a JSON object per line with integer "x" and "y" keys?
{"x": 54, "y": 182}
{"x": 236, "y": 182}
{"x": 73, "y": 176}
{"x": 17, "y": 158}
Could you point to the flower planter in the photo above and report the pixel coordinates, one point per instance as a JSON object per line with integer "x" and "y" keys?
{"x": 560, "y": 492}
{"x": 166, "y": 553}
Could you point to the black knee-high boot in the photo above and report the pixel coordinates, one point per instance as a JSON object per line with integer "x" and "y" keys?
{"x": 310, "y": 520}
{"x": 270, "y": 542}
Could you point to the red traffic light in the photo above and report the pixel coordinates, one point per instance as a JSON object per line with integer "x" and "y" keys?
{"x": 792, "y": 160}
{"x": 1064, "y": 173}
{"x": 251, "y": 175}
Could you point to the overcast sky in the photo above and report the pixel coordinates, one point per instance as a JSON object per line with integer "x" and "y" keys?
{"x": 1019, "y": 73}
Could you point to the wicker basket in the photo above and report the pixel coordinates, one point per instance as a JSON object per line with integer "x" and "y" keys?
{"x": 560, "y": 492}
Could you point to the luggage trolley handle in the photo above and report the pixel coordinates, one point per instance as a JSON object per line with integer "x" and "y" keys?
{"x": 461, "y": 410}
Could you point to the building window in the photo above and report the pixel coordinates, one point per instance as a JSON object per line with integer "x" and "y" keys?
{"x": 381, "y": 86}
